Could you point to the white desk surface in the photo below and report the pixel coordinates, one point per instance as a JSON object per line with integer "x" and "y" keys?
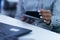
{"x": 37, "y": 32}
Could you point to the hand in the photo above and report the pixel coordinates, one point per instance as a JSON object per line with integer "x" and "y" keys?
{"x": 46, "y": 15}
{"x": 23, "y": 18}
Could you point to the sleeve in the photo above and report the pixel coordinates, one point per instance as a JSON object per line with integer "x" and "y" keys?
{"x": 20, "y": 10}
{"x": 55, "y": 20}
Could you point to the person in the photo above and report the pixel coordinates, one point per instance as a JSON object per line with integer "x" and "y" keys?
{"x": 49, "y": 9}
{"x": 8, "y": 8}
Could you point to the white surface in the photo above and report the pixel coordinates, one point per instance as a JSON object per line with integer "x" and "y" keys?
{"x": 37, "y": 32}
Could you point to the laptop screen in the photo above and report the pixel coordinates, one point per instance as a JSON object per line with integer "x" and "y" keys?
{"x": 10, "y": 30}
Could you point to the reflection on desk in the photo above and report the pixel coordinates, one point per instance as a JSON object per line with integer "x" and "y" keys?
{"x": 37, "y": 32}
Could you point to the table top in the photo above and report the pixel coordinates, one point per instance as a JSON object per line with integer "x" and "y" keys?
{"x": 37, "y": 32}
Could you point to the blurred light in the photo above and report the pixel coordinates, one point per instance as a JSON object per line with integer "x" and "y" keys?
{"x": 13, "y": 0}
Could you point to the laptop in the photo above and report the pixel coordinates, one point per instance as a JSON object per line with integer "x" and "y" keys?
{"x": 11, "y": 31}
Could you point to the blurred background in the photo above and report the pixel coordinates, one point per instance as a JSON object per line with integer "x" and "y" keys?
{"x": 0, "y": 5}
{"x": 8, "y": 7}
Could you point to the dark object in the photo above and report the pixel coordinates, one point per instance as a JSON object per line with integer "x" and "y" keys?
{"x": 9, "y": 5}
{"x": 30, "y": 21}
{"x": 33, "y": 14}
{"x": 8, "y": 32}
